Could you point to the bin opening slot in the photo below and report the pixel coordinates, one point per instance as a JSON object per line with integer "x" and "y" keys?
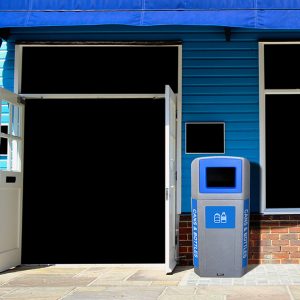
{"x": 221, "y": 177}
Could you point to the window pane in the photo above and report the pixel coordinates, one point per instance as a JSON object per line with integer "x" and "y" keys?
{"x": 282, "y": 162}
{"x": 99, "y": 70}
{"x": 4, "y": 113}
{"x": 15, "y": 115}
{"x": 282, "y": 65}
{"x": 3, "y": 148}
{"x": 14, "y": 157}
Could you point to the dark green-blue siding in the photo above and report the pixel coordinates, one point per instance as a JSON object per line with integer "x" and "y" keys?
{"x": 220, "y": 80}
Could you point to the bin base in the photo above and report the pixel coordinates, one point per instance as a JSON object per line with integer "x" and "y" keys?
{"x": 225, "y": 274}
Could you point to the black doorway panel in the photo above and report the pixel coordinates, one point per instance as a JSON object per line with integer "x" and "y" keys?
{"x": 94, "y": 182}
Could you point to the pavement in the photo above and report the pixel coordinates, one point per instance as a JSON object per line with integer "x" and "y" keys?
{"x": 138, "y": 282}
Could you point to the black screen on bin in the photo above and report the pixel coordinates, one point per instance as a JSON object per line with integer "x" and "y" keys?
{"x": 220, "y": 177}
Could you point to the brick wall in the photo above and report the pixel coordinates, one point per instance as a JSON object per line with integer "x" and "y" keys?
{"x": 273, "y": 239}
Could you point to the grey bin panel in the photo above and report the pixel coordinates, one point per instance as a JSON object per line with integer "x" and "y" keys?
{"x": 222, "y": 251}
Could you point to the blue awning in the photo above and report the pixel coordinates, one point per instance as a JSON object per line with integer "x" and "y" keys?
{"x": 263, "y": 14}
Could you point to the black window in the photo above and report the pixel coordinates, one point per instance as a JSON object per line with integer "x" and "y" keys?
{"x": 282, "y": 65}
{"x": 281, "y": 124}
{"x": 282, "y": 159}
{"x": 3, "y": 141}
{"x": 205, "y": 137}
{"x": 99, "y": 70}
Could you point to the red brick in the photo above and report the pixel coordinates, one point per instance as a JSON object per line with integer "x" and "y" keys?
{"x": 254, "y": 261}
{"x": 189, "y": 255}
{"x": 185, "y": 218}
{"x": 290, "y": 261}
{"x": 271, "y": 249}
{"x": 186, "y": 262}
{"x": 294, "y": 229}
{"x": 184, "y": 230}
{"x": 185, "y": 243}
{"x": 280, "y": 243}
{"x": 183, "y": 237}
{"x": 288, "y": 223}
{"x": 256, "y": 217}
{"x": 289, "y": 248}
{"x": 183, "y": 249}
{"x": 271, "y": 261}
{"x": 295, "y": 242}
{"x": 265, "y": 229}
{"x": 280, "y": 255}
{"x": 254, "y": 236}
{"x": 278, "y": 217}
{"x": 261, "y": 255}
{"x": 295, "y": 255}
{"x": 185, "y": 224}
{"x": 190, "y": 249}
{"x": 255, "y": 249}
{"x": 289, "y": 236}
{"x": 271, "y": 236}
{"x": 270, "y": 223}
{"x": 254, "y": 223}
{"x": 257, "y": 243}
{"x": 190, "y": 237}
{"x": 280, "y": 230}
{"x": 294, "y": 217}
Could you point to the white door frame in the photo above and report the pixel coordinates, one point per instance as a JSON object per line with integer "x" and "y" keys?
{"x": 17, "y": 90}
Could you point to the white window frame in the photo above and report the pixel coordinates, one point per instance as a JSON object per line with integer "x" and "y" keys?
{"x": 17, "y": 90}
{"x": 262, "y": 129}
{"x": 216, "y": 153}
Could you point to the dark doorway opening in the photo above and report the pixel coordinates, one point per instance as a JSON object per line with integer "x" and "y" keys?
{"x": 94, "y": 181}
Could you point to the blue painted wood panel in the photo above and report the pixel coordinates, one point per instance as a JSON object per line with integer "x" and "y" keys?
{"x": 220, "y": 80}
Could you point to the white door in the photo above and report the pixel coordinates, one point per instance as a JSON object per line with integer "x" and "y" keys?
{"x": 170, "y": 180}
{"x": 11, "y": 178}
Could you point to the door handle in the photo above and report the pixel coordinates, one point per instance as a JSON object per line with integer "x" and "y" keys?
{"x": 11, "y": 179}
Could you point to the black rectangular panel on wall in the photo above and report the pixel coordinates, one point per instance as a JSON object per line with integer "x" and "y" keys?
{"x": 99, "y": 70}
{"x": 282, "y": 65}
{"x": 282, "y": 151}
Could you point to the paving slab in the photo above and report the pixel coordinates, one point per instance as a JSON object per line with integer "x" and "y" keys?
{"x": 116, "y": 293}
{"x": 101, "y": 282}
{"x": 87, "y": 282}
{"x": 92, "y": 272}
{"x": 4, "y": 291}
{"x": 54, "y": 280}
{"x": 115, "y": 275}
{"x": 38, "y": 293}
{"x": 246, "y": 292}
{"x": 154, "y": 275}
{"x": 57, "y": 270}
{"x": 180, "y": 290}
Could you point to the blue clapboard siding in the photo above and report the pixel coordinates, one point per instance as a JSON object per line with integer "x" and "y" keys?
{"x": 220, "y": 80}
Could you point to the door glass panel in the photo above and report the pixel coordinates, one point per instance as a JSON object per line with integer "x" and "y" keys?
{"x": 15, "y": 120}
{"x": 14, "y": 157}
{"x": 4, "y": 110}
{"x": 10, "y": 136}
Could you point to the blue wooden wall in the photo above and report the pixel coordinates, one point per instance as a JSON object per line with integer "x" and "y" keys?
{"x": 220, "y": 80}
